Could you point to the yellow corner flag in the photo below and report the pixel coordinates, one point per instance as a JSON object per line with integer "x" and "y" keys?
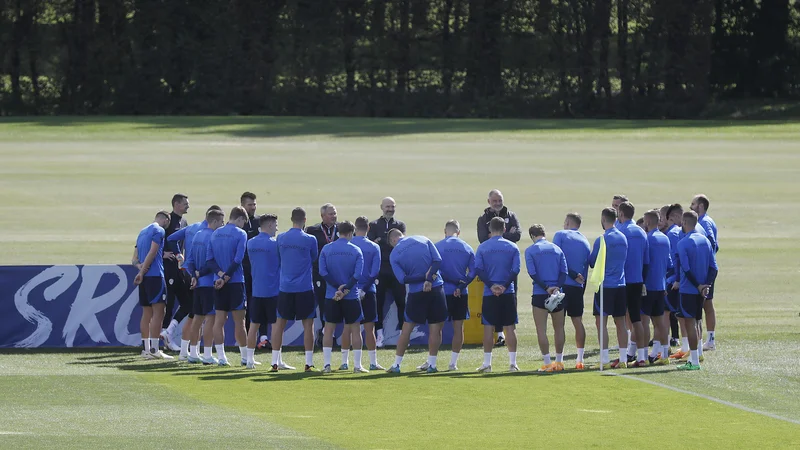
{"x": 599, "y": 271}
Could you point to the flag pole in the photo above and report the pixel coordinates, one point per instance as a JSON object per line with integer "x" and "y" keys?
{"x": 602, "y": 326}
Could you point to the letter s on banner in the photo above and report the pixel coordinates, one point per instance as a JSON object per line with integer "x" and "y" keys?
{"x": 66, "y": 277}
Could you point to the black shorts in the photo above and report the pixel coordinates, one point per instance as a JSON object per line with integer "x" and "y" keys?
{"x": 537, "y": 301}
{"x": 653, "y": 303}
{"x": 369, "y": 307}
{"x": 573, "y": 298}
{"x": 613, "y": 302}
{"x": 633, "y": 298}
{"x": 231, "y": 297}
{"x": 499, "y": 310}
{"x": 152, "y": 290}
{"x": 691, "y": 306}
{"x": 673, "y": 301}
{"x": 343, "y": 311}
{"x": 426, "y": 307}
{"x": 457, "y": 307}
{"x": 263, "y": 309}
{"x": 204, "y": 301}
{"x": 297, "y": 305}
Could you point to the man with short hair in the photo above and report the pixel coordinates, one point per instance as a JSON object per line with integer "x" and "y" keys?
{"x": 576, "y": 250}
{"x": 265, "y": 265}
{"x": 618, "y": 200}
{"x": 458, "y": 270}
{"x": 497, "y": 263}
{"x": 415, "y": 261}
{"x": 203, "y": 285}
{"x": 636, "y": 266}
{"x": 655, "y": 284}
{"x": 613, "y": 288}
{"x": 341, "y": 264}
{"x": 177, "y": 284}
{"x": 700, "y": 206}
{"x": 248, "y": 201}
{"x": 225, "y": 254}
{"x": 297, "y": 251}
{"x": 325, "y": 232}
{"x": 387, "y": 282}
{"x": 512, "y": 232}
{"x": 698, "y": 267}
{"x": 547, "y": 267}
{"x": 150, "y": 279}
{"x": 366, "y": 288}
{"x": 664, "y": 226}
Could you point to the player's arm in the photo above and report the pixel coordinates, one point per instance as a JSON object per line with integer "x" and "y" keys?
{"x": 645, "y": 259}
{"x": 151, "y": 256}
{"x": 594, "y": 253}
{"x": 374, "y": 269}
{"x": 177, "y": 236}
{"x": 515, "y": 268}
{"x": 463, "y": 283}
{"x": 686, "y": 268}
{"x": 323, "y": 270}
{"x": 670, "y": 269}
{"x": 238, "y": 257}
{"x": 357, "y": 270}
{"x": 483, "y": 230}
{"x": 135, "y": 258}
{"x": 398, "y": 271}
{"x": 436, "y": 262}
{"x": 480, "y": 268}
{"x": 513, "y": 223}
{"x": 562, "y": 271}
{"x": 313, "y": 249}
{"x": 372, "y": 233}
{"x": 530, "y": 264}
{"x": 211, "y": 263}
{"x": 712, "y": 269}
{"x": 401, "y": 226}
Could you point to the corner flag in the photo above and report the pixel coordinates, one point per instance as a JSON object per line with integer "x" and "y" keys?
{"x": 599, "y": 271}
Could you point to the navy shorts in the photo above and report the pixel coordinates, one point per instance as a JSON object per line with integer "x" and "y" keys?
{"x": 426, "y": 307}
{"x": 369, "y": 307}
{"x": 691, "y": 306}
{"x": 573, "y": 298}
{"x": 152, "y": 290}
{"x": 537, "y": 300}
{"x": 297, "y": 305}
{"x": 343, "y": 311}
{"x": 653, "y": 303}
{"x": 263, "y": 309}
{"x": 633, "y": 298}
{"x": 457, "y": 307}
{"x": 613, "y": 302}
{"x": 204, "y": 300}
{"x": 232, "y": 297}
{"x": 673, "y": 303}
{"x": 500, "y": 311}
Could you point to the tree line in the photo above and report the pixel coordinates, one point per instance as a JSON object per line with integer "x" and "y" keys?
{"x": 395, "y": 58}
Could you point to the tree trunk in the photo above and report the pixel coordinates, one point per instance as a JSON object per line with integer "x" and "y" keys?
{"x": 447, "y": 52}
{"x": 622, "y": 48}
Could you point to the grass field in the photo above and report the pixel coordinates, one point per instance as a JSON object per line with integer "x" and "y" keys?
{"x": 79, "y": 189}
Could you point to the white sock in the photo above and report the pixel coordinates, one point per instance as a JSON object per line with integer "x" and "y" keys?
{"x": 580, "y": 355}
{"x": 684, "y": 344}
{"x": 154, "y": 345}
{"x": 453, "y": 358}
{"x": 207, "y": 351}
{"x": 172, "y": 324}
{"x": 220, "y": 351}
{"x": 642, "y": 355}
{"x": 700, "y": 347}
{"x": 512, "y": 358}
{"x": 243, "y": 352}
{"x": 656, "y": 348}
{"x": 694, "y": 357}
{"x": 276, "y": 356}
{"x": 357, "y": 358}
{"x": 487, "y": 359}
{"x": 310, "y": 358}
{"x": 432, "y": 360}
{"x": 629, "y": 338}
{"x": 184, "y": 347}
{"x": 560, "y": 357}
{"x": 280, "y": 356}
{"x": 623, "y": 355}
{"x": 710, "y": 337}
{"x": 373, "y": 357}
{"x": 380, "y": 334}
{"x": 345, "y": 356}
{"x": 604, "y": 358}
{"x": 193, "y": 351}
{"x": 326, "y": 356}
{"x": 665, "y": 351}
{"x": 501, "y": 335}
{"x": 146, "y": 342}
{"x": 398, "y": 360}
{"x": 632, "y": 348}
{"x": 546, "y": 359}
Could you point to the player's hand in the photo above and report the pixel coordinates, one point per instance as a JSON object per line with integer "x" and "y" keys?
{"x": 644, "y": 290}
{"x": 704, "y": 290}
{"x": 219, "y": 283}
{"x": 580, "y": 279}
{"x": 377, "y": 239}
{"x": 226, "y": 278}
{"x": 498, "y": 290}
{"x": 552, "y": 289}
{"x": 675, "y": 286}
{"x": 427, "y": 286}
{"x": 337, "y": 296}
{"x": 194, "y": 283}
{"x": 137, "y": 280}
{"x": 220, "y": 274}
{"x": 361, "y": 294}
{"x": 138, "y": 266}
{"x": 512, "y": 230}
{"x": 197, "y": 274}
{"x": 169, "y": 255}
{"x": 457, "y": 293}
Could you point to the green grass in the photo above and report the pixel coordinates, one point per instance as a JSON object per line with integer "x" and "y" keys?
{"x": 77, "y": 190}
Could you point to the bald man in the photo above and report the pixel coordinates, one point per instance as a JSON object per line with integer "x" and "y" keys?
{"x": 378, "y": 232}
{"x": 512, "y": 233}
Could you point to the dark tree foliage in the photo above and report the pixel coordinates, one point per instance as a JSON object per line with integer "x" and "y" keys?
{"x": 424, "y": 58}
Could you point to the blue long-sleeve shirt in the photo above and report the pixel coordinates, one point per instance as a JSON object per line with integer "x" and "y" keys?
{"x": 697, "y": 262}
{"x": 265, "y": 265}
{"x": 148, "y": 235}
{"x": 638, "y": 254}
{"x": 372, "y": 262}
{"x": 497, "y": 261}
{"x": 616, "y": 254}
{"x": 458, "y": 264}
{"x": 547, "y": 266}
{"x": 297, "y": 251}
{"x": 576, "y": 249}
{"x": 660, "y": 261}
{"x": 186, "y": 234}
{"x": 674, "y": 235}
{"x": 341, "y": 263}
{"x": 710, "y": 227}
{"x": 226, "y": 249}
{"x": 412, "y": 258}
{"x": 196, "y": 261}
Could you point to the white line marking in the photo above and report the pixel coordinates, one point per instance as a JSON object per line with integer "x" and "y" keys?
{"x": 707, "y": 397}
{"x": 598, "y": 411}
{"x": 6, "y": 433}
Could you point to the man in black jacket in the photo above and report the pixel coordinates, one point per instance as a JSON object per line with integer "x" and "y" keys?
{"x": 513, "y": 233}
{"x": 326, "y": 232}
{"x": 378, "y": 231}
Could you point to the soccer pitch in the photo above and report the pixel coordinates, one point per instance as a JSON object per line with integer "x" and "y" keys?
{"x": 78, "y": 190}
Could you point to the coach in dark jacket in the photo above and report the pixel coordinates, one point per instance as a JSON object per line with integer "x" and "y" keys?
{"x": 378, "y": 230}
{"x": 326, "y": 232}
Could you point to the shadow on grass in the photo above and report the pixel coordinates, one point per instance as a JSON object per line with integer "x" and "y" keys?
{"x": 282, "y": 127}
